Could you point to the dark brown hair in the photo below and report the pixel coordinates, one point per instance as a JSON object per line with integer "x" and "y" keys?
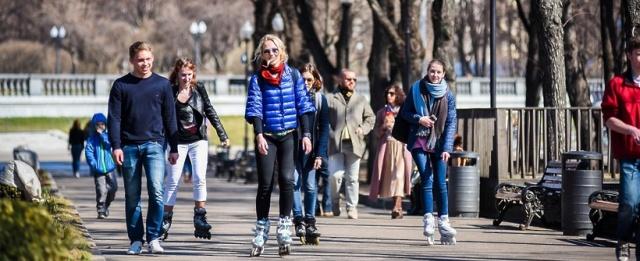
{"x": 182, "y": 63}
{"x": 310, "y": 68}
{"x": 400, "y": 95}
{"x": 138, "y": 46}
{"x": 633, "y": 44}
{"x": 440, "y": 62}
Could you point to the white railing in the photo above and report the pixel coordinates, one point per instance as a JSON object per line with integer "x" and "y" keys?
{"x": 24, "y": 95}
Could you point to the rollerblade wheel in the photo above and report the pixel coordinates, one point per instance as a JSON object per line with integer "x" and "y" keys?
{"x": 284, "y": 250}
{"x": 257, "y": 251}
{"x": 303, "y": 240}
{"x": 313, "y": 241}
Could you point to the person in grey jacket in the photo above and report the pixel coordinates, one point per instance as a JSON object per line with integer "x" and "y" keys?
{"x": 193, "y": 108}
{"x": 350, "y": 119}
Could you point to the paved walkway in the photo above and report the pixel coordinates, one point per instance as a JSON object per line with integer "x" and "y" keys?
{"x": 231, "y": 209}
{"x": 373, "y": 236}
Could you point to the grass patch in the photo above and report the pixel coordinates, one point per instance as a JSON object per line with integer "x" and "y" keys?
{"x": 234, "y": 125}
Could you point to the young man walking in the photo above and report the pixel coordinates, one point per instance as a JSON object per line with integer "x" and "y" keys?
{"x": 141, "y": 121}
{"x": 621, "y": 114}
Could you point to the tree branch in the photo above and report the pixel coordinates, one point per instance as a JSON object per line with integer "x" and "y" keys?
{"x": 523, "y": 16}
{"x": 387, "y": 25}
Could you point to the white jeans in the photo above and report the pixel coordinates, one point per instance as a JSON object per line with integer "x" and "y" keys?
{"x": 344, "y": 165}
{"x": 198, "y": 153}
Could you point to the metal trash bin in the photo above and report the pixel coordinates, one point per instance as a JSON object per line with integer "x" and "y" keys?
{"x": 577, "y": 185}
{"x": 464, "y": 184}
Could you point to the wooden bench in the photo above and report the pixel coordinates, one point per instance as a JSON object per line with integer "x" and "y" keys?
{"x": 540, "y": 199}
{"x": 603, "y": 214}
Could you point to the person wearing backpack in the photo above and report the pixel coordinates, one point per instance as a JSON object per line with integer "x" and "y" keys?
{"x": 193, "y": 108}
{"x": 98, "y": 155}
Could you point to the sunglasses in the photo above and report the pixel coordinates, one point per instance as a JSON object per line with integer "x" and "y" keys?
{"x": 391, "y": 93}
{"x": 270, "y": 51}
{"x": 351, "y": 79}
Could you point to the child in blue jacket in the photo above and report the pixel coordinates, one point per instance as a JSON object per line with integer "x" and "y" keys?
{"x": 98, "y": 155}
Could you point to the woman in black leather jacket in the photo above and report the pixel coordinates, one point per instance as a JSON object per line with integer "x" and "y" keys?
{"x": 193, "y": 107}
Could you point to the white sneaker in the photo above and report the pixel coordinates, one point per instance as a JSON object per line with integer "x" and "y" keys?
{"x": 135, "y": 248}
{"x": 154, "y": 247}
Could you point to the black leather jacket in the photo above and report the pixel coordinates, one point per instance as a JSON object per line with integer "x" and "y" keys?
{"x": 200, "y": 102}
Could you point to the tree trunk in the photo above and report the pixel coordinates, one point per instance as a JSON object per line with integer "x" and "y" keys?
{"x": 378, "y": 64}
{"x": 553, "y": 84}
{"x": 342, "y": 45}
{"x": 397, "y": 42}
{"x": 461, "y": 27}
{"x": 608, "y": 39}
{"x": 532, "y": 68}
{"x": 442, "y": 16}
{"x": 314, "y": 45}
{"x": 293, "y": 36}
{"x": 576, "y": 80}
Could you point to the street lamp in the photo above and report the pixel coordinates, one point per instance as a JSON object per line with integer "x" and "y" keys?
{"x": 246, "y": 32}
{"x": 57, "y": 33}
{"x": 277, "y": 23}
{"x": 197, "y": 29}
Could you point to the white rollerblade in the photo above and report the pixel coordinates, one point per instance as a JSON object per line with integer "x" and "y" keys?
{"x": 260, "y": 237}
{"x": 429, "y": 228}
{"x": 447, "y": 233}
{"x": 284, "y": 236}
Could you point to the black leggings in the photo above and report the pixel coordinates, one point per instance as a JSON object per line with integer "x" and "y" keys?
{"x": 282, "y": 149}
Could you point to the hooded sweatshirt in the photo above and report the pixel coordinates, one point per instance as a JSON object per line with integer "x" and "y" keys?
{"x": 98, "y": 148}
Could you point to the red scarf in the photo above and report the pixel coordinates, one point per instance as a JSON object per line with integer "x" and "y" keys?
{"x": 267, "y": 74}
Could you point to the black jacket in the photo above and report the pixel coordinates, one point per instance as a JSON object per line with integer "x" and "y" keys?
{"x": 200, "y": 103}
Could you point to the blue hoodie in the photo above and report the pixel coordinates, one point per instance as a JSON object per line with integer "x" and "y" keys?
{"x": 98, "y": 148}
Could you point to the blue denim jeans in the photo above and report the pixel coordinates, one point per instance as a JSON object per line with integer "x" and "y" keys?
{"x": 629, "y": 200}
{"x": 325, "y": 190}
{"x": 151, "y": 156}
{"x": 305, "y": 182}
{"x": 433, "y": 171}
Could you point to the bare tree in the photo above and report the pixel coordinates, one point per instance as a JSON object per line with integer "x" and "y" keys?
{"x": 443, "y": 24}
{"x": 532, "y": 70}
{"x": 553, "y": 84}
{"x": 378, "y": 64}
{"x": 576, "y": 80}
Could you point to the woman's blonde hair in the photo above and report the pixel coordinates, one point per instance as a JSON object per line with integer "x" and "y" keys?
{"x": 182, "y": 63}
{"x": 282, "y": 52}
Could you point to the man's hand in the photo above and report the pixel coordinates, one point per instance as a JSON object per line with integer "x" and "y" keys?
{"x": 118, "y": 156}
{"x": 306, "y": 145}
{"x": 426, "y": 121}
{"x": 635, "y": 133}
{"x": 263, "y": 147}
{"x": 317, "y": 163}
{"x": 359, "y": 131}
{"x": 225, "y": 143}
{"x": 445, "y": 156}
{"x": 173, "y": 158}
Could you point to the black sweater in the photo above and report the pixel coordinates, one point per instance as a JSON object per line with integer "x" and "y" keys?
{"x": 141, "y": 110}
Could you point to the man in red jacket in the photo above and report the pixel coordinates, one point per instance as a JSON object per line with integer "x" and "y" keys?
{"x": 621, "y": 112}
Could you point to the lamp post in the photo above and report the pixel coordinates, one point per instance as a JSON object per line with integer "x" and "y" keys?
{"x": 57, "y": 33}
{"x": 245, "y": 34}
{"x": 197, "y": 29}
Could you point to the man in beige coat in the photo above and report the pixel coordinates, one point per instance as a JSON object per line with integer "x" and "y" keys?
{"x": 350, "y": 119}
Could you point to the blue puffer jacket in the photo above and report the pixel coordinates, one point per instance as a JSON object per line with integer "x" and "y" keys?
{"x": 98, "y": 149}
{"x": 278, "y": 106}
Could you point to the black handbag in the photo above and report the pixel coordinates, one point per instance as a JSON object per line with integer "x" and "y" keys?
{"x": 400, "y": 129}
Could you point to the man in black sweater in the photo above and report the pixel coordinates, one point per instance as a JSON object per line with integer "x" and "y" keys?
{"x": 141, "y": 122}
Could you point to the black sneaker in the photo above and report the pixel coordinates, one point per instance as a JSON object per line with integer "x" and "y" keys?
{"x": 622, "y": 251}
{"x": 102, "y": 215}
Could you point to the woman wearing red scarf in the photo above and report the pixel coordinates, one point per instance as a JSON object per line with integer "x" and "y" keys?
{"x": 277, "y": 98}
